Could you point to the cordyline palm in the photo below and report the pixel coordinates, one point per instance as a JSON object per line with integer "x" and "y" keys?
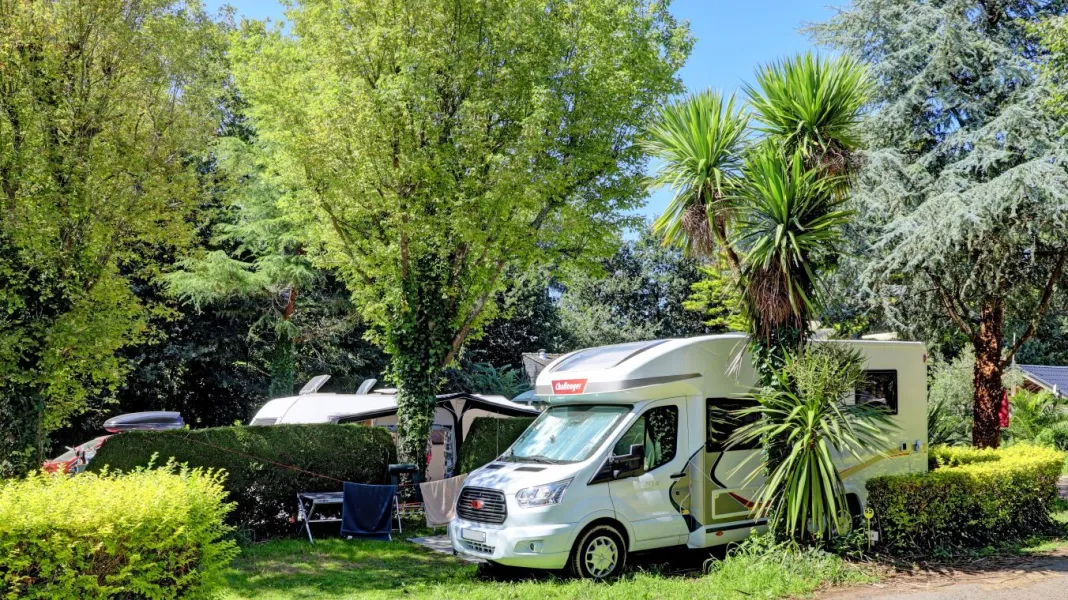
{"x": 698, "y": 142}
{"x": 814, "y": 106}
{"x": 803, "y": 495}
{"x": 788, "y": 224}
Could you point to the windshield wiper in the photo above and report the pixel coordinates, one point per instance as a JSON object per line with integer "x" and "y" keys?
{"x": 536, "y": 458}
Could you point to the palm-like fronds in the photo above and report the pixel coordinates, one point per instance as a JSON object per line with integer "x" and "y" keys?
{"x": 803, "y": 494}
{"x": 789, "y": 221}
{"x": 698, "y": 143}
{"x": 813, "y": 105}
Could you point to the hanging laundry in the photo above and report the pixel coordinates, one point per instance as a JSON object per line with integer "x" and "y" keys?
{"x": 439, "y": 499}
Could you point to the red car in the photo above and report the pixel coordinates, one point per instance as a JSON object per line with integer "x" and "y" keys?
{"x": 75, "y": 459}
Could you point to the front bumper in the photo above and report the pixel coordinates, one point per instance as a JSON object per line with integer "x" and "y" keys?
{"x": 531, "y": 546}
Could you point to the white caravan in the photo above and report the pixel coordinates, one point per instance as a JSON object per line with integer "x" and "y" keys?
{"x": 626, "y": 459}
{"x": 453, "y": 416}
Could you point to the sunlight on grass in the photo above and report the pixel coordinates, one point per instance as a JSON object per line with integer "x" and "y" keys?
{"x": 337, "y": 570}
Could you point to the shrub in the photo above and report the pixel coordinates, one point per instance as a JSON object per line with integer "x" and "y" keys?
{"x": 488, "y": 438}
{"x": 320, "y": 457}
{"x": 979, "y": 497}
{"x": 146, "y": 534}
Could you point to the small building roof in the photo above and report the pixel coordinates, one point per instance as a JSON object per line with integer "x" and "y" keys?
{"x": 1053, "y": 379}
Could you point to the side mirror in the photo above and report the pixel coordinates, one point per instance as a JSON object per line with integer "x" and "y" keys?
{"x": 629, "y": 464}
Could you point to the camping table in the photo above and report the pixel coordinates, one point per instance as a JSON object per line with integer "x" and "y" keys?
{"x": 309, "y": 500}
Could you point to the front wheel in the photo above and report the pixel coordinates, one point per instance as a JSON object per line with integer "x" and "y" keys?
{"x": 599, "y": 554}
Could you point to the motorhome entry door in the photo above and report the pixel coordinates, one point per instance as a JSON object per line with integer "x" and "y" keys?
{"x": 644, "y": 499}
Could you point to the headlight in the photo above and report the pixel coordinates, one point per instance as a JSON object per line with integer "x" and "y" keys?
{"x": 542, "y": 495}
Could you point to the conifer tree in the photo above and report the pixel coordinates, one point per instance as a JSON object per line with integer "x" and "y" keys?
{"x": 965, "y": 189}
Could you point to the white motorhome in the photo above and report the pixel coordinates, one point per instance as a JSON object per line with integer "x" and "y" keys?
{"x": 627, "y": 459}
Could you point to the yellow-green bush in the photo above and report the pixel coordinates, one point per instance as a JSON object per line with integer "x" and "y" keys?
{"x": 146, "y": 534}
{"x": 974, "y": 498}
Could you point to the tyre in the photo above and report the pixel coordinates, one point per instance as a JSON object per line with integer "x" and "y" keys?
{"x": 600, "y": 553}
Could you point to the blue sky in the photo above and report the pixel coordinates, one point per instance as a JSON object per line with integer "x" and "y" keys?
{"x": 733, "y": 37}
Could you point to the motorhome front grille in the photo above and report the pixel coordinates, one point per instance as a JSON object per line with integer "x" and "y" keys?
{"x": 482, "y": 505}
{"x": 478, "y": 547}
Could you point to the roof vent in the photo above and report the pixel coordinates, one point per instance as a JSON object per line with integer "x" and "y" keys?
{"x": 313, "y": 385}
{"x": 542, "y": 354}
{"x": 367, "y": 386}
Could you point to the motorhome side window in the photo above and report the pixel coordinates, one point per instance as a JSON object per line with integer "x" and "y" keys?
{"x": 879, "y": 388}
{"x": 722, "y": 420}
{"x": 658, "y": 431}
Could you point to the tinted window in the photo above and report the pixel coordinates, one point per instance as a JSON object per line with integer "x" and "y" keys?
{"x": 658, "y": 431}
{"x": 722, "y": 420}
{"x": 879, "y": 388}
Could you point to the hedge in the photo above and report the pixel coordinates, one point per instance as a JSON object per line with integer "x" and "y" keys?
{"x": 488, "y": 438}
{"x": 147, "y": 534}
{"x": 320, "y": 458}
{"x": 978, "y": 498}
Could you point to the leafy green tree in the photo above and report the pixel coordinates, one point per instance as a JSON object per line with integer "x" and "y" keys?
{"x": 259, "y": 256}
{"x": 715, "y": 297}
{"x": 639, "y": 294}
{"x": 434, "y": 146}
{"x": 965, "y": 183}
{"x": 105, "y": 107}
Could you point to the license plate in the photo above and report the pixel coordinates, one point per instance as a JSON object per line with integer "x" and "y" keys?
{"x": 474, "y": 536}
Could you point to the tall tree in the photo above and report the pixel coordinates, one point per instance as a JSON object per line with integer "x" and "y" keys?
{"x": 105, "y": 106}
{"x": 436, "y": 145}
{"x": 773, "y": 204}
{"x": 965, "y": 183}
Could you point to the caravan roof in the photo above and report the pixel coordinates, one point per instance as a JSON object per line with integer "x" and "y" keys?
{"x": 327, "y": 408}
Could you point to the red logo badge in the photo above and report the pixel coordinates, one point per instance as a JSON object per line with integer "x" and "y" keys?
{"x": 569, "y": 386}
{"x": 476, "y": 504}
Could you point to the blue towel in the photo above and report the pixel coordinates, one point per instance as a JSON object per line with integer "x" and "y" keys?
{"x": 367, "y": 510}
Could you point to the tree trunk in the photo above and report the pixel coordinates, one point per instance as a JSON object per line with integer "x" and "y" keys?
{"x": 986, "y": 431}
{"x": 416, "y": 402}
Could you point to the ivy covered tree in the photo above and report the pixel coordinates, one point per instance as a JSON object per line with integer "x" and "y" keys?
{"x": 965, "y": 187}
{"x": 435, "y": 146}
{"x": 105, "y": 108}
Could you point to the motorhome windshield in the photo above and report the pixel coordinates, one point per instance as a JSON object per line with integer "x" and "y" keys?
{"x": 566, "y": 434}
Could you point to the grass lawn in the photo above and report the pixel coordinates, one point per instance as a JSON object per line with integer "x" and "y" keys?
{"x": 339, "y": 569}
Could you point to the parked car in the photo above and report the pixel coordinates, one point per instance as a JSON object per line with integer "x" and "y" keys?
{"x": 75, "y": 459}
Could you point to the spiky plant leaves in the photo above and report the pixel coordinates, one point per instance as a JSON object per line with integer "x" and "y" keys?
{"x": 813, "y": 105}
{"x": 698, "y": 143}
{"x": 788, "y": 222}
{"x": 803, "y": 495}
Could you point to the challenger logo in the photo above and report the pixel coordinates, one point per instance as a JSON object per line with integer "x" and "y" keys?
{"x": 476, "y": 504}
{"x": 569, "y": 386}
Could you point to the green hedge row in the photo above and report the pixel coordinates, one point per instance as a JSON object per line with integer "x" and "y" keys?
{"x": 320, "y": 457}
{"x": 146, "y": 534}
{"x": 488, "y": 438}
{"x": 974, "y": 498}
